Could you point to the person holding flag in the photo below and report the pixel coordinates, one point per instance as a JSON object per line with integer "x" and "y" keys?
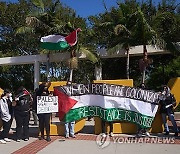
{"x": 22, "y": 113}
{"x": 59, "y": 42}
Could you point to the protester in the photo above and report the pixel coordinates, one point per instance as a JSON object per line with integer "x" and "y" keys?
{"x": 167, "y": 102}
{"x": 44, "y": 118}
{"x": 69, "y": 126}
{"x": 141, "y": 131}
{"x": 5, "y": 116}
{"x": 22, "y": 113}
{"x": 69, "y": 129}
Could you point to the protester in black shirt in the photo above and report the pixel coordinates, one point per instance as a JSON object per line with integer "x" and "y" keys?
{"x": 22, "y": 113}
{"x": 167, "y": 103}
{"x": 44, "y": 118}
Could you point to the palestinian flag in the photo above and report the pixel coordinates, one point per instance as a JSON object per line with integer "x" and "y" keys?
{"x": 65, "y": 103}
{"x": 58, "y": 42}
{"x": 109, "y": 102}
{"x": 24, "y": 92}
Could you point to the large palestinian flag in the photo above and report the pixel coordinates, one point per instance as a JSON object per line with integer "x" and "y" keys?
{"x": 109, "y": 102}
{"x": 58, "y": 42}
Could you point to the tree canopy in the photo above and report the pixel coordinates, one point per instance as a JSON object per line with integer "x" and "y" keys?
{"x": 130, "y": 23}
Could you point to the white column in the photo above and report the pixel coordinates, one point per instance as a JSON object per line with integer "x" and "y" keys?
{"x": 36, "y": 74}
{"x": 98, "y": 73}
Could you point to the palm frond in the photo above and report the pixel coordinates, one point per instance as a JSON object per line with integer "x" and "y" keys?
{"x": 104, "y": 4}
{"x": 24, "y": 29}
{"x": 36, "y": 13}
{"x": 115, "y": 49}
{"x": 34, "y": 22}
{"x": 105, "y": 24}
{"x": 39, "y": 4}
{"x": 90, "y": 56}
{"x": 121, "y": 29}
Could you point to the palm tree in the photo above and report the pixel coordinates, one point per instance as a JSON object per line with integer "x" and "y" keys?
{"x": 143, "y": 34}
{"x": 167, "y": 25}
{"x": 122, "y": 30}
{"x": 44, "y": 21}
{"x": 131, "y": 29}
{"x": 125, "y": 39}
{"x": 120, "y": 25}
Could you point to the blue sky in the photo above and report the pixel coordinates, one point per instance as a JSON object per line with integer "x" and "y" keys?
{"x": 85, "y": 8}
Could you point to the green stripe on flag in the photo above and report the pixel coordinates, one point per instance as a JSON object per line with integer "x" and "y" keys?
{"x": 113, "y": 114}
{"x": 54, "y": 46}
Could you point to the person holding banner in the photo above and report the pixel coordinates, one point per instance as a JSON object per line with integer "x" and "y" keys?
{"x": 69, "y": 126}
{"x": 69, "y": 129}
{"x": 22, "y": 113}
{"x": 167, "y": 103}
{"x": 44, "y": 118}
{"x": 142, "y": 130}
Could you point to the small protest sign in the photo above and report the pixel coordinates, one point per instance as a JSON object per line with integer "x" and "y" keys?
{"x": 47, "y": 104}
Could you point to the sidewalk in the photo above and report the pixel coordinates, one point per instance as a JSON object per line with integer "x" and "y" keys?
{"x": 85, "y": 144}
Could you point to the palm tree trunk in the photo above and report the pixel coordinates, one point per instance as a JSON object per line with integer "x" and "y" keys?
{"x": 71, "y": 75}
{"x": 98, "y": 72}
{"x": 127, "y": 64}
{"x": 48, "y": 66}
{"x": 143, "y": 75}
{"x": 72, "y": 63}
{"x": 145, "y": 61}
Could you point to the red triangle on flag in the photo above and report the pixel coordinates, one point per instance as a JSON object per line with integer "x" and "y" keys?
{"x": 26, "y": 92}
{"x": 72, "y": 37}
{"x": 64, "y": 101}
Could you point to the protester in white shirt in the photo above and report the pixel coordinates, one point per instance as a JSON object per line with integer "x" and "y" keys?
{"x": 5, "y": 117}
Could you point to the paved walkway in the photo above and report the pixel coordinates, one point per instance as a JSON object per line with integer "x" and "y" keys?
{"x": 86, "y": 144}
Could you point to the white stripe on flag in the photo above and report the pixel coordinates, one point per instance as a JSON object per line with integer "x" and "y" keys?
{"x": 108, "y": 102}
{"x": 53, "y": 38}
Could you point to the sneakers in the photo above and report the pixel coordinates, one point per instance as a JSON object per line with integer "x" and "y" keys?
{"x": 48, "y": 139}
{"x": 111, "y": 134}
{"x": 26, "y": 139}
{"x": 167, "y": 133}
{"x": 139, "y": 135}
{"x": 103, "y": 135}
{"x": 73, "y": 136}
{"x": 7, "y": 140}
{"x": 2, "y": 141}
{"x": 147, "y": 134}
{"x": 67, "y": 136}
{"x": 41, "y": 138}
{"x": 18, "y": 140}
